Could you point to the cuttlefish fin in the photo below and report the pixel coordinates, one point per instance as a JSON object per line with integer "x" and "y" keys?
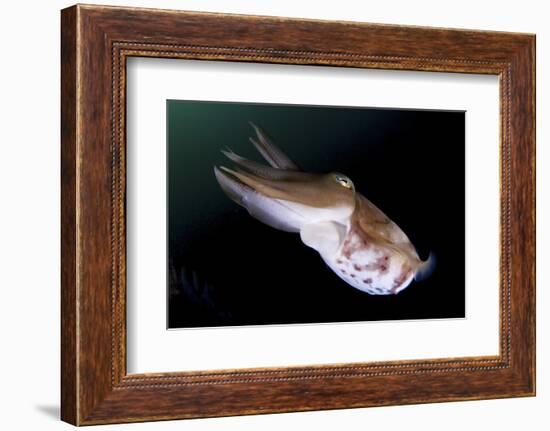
{"x": 270, "y": 152}
{"x": 426, "y": 268}
{"x": 325, "y": 237}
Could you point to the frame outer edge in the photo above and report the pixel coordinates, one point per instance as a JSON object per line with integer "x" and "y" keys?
{"x": 529, "y": 63}
{"x": 523, "y": 252}
{"x": 532, "y": 80}
{"x": 69, "y": 201}
{"x": 533, "y": 54}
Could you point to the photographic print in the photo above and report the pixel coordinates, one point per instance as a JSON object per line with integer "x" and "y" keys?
{"x": 295, "y": 214}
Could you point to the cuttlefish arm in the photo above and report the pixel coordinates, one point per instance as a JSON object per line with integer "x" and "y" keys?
{"x": 269, "y": 211}
{"x": 280, "y": 195}
{"x": 354, "y": 238}
{"x": 270, "y": 152}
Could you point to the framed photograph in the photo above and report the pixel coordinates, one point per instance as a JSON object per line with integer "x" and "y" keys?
{"x": 264, "y": 214}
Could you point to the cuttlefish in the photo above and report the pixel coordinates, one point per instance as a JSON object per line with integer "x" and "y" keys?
{"x": 353, "y": 237}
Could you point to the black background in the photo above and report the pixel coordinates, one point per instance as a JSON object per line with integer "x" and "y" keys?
{"x": 226, "y": 268}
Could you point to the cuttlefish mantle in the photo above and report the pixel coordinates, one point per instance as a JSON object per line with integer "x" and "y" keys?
{"x": 354, "y": 238}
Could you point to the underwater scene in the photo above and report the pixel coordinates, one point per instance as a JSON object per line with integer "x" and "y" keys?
{"x": 295, "y": 214}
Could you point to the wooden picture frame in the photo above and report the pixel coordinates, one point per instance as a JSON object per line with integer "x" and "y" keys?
{"x": 95, "y": 43}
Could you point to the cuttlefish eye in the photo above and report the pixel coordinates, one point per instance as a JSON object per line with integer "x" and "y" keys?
{"x": 343, "y": 181}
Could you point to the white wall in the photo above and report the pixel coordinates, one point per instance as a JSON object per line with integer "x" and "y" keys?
{"x": 29, "y": 228}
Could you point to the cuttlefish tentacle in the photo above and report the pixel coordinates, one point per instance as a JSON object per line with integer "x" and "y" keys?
{"x": 353, "y": 237}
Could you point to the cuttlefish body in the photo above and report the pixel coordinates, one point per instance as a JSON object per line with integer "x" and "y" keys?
{"x": 354, "y": 238}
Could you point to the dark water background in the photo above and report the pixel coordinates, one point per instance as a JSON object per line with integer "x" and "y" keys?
{"x": 226, "y": 268}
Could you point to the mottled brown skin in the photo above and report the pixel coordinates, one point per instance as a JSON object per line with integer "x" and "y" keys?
{"x": 376, "y": 256}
